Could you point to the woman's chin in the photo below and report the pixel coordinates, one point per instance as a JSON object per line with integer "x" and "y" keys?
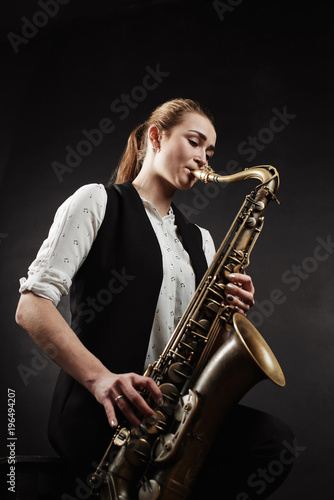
{"x": 186, "y": 184}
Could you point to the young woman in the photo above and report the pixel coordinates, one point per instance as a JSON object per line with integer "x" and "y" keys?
{"x": 132, "y": 262}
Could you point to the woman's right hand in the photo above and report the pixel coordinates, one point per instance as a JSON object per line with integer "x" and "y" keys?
{"x": 107, "y": 389}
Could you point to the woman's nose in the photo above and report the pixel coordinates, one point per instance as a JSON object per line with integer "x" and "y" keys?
{"x": 201, "y": 160}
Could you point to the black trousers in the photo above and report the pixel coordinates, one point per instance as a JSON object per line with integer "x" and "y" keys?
{"x": 249, "y": 460}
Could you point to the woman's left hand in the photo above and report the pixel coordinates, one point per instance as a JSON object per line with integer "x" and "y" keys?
{"x": 240, "y": 292}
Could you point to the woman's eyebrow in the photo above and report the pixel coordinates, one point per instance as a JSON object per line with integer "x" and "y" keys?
{"x": 204, "y": 137}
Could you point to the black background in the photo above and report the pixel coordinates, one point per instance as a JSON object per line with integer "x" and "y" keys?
{"x": 247, "y": 62}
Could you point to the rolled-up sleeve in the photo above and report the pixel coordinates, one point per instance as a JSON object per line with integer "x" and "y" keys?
{"x": 69, "y": 241}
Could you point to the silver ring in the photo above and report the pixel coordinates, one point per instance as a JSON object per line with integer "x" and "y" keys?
{"x": 118, "y": 398}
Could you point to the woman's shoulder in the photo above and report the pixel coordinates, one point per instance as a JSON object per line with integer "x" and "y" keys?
{"x": 92, "y": 190}
{"x": 87, "y": 199}
{"x": 91, "y": 195}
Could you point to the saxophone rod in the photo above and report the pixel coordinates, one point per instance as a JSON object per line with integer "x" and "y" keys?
{"x": 265, "y": 173}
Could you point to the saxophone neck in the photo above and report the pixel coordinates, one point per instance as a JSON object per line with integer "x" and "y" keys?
{"x": 267, "y": 174}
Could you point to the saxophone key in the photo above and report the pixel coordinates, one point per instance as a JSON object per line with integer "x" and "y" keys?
{"x": 159, "y": 424}
{"x": 138, "y": 452}
{"x": 179, "y": 372}
{"x": 122, "y": 437}
{"x": 203, "y": 337}
{"x": 251, "y": 222}
{"x": 218, "y": 292}
{"x": 177, "y": 354}
{"x": 164, "y": 445}
{"x": 191, "y": 346}
{"x": 213, "y": 307}
{"x": 259, "y": 206}
{"x": 170, "y": 394}
{"x": 203, "y": 324}
{"x": 149, "y": 490}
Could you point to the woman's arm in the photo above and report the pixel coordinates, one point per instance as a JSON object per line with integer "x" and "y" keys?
{"x": 45, "y": 325}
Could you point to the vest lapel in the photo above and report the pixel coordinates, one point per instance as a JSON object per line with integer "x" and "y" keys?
{"x": 191, "y": 234}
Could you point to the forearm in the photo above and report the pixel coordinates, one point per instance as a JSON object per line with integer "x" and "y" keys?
{"x": 45, "y": 325}
{"x": 49, "y": 330}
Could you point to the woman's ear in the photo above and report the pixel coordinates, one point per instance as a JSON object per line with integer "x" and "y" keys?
{"x": 154, "y": 137}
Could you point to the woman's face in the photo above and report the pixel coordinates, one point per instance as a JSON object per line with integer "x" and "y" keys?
{"x": 187, "y": 147}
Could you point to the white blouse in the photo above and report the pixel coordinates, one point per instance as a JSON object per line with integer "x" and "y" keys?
{"x": 69, "y": 241}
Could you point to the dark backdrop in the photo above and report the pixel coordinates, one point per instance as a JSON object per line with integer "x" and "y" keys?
{"x": 249, "y": 62}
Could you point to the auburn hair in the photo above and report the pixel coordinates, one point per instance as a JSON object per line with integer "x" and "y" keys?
{"x": 164, "y": 117}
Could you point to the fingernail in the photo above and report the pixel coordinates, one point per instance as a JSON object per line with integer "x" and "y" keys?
{"x": 231, "y": 276}
{"x": 236, "y": 309}
{"x": 142, "y": 428}
{"x": 151, "y": 420}
{"x": 230, "y": 287}
{"x": 160, "y": 402}
{"x": 113, "y": 423}
{"x": 230, "y": 298}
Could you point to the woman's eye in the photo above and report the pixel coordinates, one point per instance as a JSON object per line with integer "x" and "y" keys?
{"x": 193, "y": 143}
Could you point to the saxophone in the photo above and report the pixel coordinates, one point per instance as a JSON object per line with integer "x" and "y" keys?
{"x": 199, "y": 389}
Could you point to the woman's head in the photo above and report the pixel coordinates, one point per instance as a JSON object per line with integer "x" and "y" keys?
{"x": 164, "y": 118}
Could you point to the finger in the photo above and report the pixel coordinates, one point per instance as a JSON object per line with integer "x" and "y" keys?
{"x": 237, "y": 293}
{"x": 137, "y": 401}
{"x": 129, "y": 385}
{"x": 149, "y": 384}
{"x": 128, "y": 412}
{"x": 244, "y": 280}
{"x": 244, "y": 296}
{"x": 237, "y": 303}
{"x": 110, "y": 412}
{"x": 240, "y": 311}
{"x": 242, "y": 288}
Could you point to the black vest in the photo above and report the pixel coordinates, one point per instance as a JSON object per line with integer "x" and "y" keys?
{"x": 113, "y": 300}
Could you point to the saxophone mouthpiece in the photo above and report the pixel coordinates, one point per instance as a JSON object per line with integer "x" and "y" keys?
{"x": 203, "y": 174}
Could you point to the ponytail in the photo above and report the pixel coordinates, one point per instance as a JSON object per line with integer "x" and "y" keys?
{"x": 131, "y": 160}
{"x": 165, "y": 117}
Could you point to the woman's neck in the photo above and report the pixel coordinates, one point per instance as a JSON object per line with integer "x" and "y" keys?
{"x": 156, "y": 192}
